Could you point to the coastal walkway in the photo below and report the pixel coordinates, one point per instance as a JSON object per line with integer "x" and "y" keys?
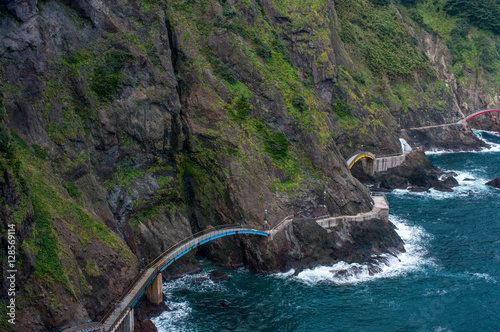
{"x": 380, "y": 210}
{"x": 373, "y": 163}
{"x": 473, "y": 115}
{"x": 462, "y": 121}
{"x": 149, "y": 281}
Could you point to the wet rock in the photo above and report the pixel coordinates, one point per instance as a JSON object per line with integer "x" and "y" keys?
{"x": 416, "y": 174}
{"x": 217, "y": 275}
{"x": 394, "y": 182}
{"x": 418, "y": 189}
{"x": 145, "y": 310}
{"x": 346, "y": 273}
{"x": 495, "y": 183}
{"x": 451, "y": 182}
{"x": 374, "y": 269}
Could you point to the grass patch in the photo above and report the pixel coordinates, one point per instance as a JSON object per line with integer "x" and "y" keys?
{"x": 72, "y": 189}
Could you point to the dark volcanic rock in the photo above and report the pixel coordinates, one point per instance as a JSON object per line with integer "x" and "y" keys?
{"x": 145, "y": 310}
{"x": 145, "y": 326}
{"x": 305, "y": 244}
{"x": 494, "y": 183}
{"x": 416, "y": 173}
{"x": 451, "y": 182}
{"x": 456, "y": 137}
{"x": 217, "y": 275}
{"x": 394, "y": 182}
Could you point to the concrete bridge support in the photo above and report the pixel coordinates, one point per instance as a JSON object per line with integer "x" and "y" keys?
{"x": 127, "y": 325}
{"x": 368, "y": 166}
{"x": 154, "y": 291}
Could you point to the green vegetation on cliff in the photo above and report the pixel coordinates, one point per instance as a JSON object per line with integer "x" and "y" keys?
{"x": 178, "y": 114}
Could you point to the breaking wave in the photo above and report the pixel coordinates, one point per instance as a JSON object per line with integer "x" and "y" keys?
{"x": 470, "y": 184}
{"x": 415, "y": 258}
{"x": 491, "y": 138}
{"x": 178, "y": 319}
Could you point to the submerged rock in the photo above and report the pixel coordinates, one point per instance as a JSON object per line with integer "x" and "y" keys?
{"x": 217, "y": 276}
{"x": 200, "y": 280}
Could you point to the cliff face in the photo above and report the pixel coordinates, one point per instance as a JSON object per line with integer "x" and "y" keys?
{"x": 129, "y": 125}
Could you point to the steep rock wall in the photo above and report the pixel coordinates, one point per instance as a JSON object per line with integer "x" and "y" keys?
{"x": 108, "y": 105}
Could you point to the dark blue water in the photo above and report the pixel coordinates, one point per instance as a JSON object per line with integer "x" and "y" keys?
{"x": 448, "y": 280}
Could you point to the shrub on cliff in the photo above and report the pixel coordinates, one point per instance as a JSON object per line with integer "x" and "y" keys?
{"x": 106, "y": 78}
{"x": 300, "y": 103}
{"x": 276, "y": 145}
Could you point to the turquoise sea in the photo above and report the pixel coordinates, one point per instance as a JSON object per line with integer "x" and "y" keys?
{"x": 448, "y": 280}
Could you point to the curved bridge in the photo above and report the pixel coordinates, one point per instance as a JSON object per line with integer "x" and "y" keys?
{"x": 377, "y": 163}
{"x": 150, "y": 281}
{"x": 467, "y": 118}
{"x": 355, "y": 157}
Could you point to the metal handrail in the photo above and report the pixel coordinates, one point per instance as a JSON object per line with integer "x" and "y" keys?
{"x": 160, "y": 257}
{"x": 281, "y": 222}
{"x": 389, "y": 155}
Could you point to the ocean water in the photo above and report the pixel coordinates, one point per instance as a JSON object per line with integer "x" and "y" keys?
{"x": 448, "y": 279}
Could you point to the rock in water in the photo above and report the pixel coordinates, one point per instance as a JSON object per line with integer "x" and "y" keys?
{"x": 217, "y": 276}
{"x": 495, "y": 183}
{"x": 451, "y": 182}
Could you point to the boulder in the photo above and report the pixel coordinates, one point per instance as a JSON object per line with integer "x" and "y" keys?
{"x": 217, "y": 276}
{"x": 495, "y": 183}
{"x": 451, "y": 182}
{"x": 394, "y": 182}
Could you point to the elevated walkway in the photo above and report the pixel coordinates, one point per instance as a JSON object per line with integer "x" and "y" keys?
{"x": 149, "y": 281}
{"x": 473, "y": 115}
{"x": 151, "y": 276}
{"x": 374, "y": 164}
{"x": 380, "y": 210}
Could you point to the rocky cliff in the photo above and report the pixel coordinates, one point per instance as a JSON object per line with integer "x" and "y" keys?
{"x": 128, "y": 125}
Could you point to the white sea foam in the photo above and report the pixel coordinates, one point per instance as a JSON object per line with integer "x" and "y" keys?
{"x": 170, "y": 321}
{"x": 469, "y": 184}
{"x": 482, "y": 135}
{"x": 415, "y": 258}
{"x": 284, "y": 275}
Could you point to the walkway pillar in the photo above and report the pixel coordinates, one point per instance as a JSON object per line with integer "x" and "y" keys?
{"x": 127, "y": 325}
{"x": 370, "y": 166}
{"x": 154, "y": 292}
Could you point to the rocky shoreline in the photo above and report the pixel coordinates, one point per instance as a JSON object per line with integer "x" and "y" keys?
{"x": 416, "y": 173}
{"x": 127, "y": 126}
